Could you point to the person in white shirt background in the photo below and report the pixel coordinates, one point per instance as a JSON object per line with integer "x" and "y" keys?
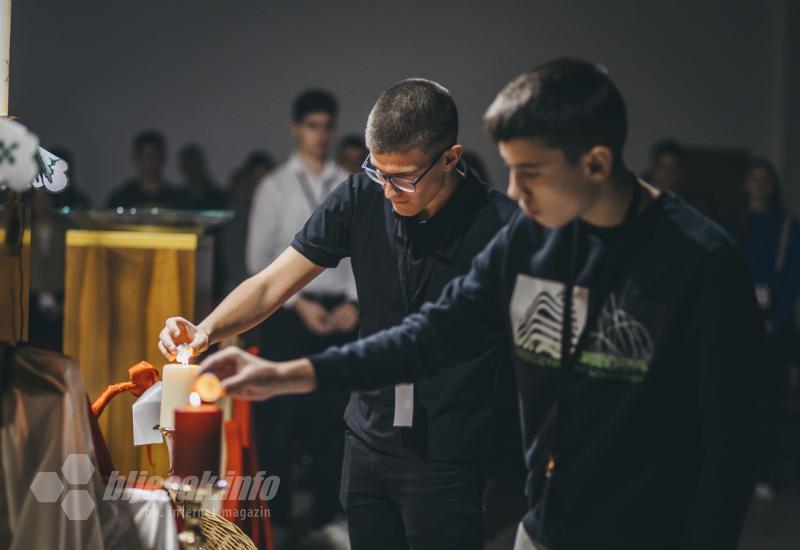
{"x": 324, "y": 314}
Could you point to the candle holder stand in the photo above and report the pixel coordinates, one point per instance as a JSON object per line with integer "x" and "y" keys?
{"x": 189, "y": 499}
{"x": 169, "y": 434}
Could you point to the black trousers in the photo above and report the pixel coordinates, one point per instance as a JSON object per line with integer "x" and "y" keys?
{"x": 288, "y": 425}
{"x": 395, "y": 503}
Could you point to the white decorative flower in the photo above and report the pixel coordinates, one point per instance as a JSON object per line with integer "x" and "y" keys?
{"x": 18, "y": 150}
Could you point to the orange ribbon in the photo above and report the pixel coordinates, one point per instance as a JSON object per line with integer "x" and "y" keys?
{"x": 142, "y": 376}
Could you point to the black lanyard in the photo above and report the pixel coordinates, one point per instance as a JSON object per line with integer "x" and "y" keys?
{"x": 569, "y": 357}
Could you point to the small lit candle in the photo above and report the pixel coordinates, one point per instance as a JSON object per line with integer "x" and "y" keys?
{"x": 198, "y": 438}
{"x": 209, "y": 388}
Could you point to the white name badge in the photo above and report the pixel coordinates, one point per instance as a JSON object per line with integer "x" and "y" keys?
{"x": 404, "y": 405}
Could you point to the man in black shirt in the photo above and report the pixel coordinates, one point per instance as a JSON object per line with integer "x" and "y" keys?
{"x": 148, "y": 189}
{"x": 633, "y": 327}
{"x": 413, "y": 220}
{"x": 200, "y": 190}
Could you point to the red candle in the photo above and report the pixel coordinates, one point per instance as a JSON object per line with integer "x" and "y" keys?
{"x": 198, "y": 435}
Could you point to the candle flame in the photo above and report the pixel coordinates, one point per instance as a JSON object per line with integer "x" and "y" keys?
{"x": 194, "y": 399}
{"x": 184, "y": 354}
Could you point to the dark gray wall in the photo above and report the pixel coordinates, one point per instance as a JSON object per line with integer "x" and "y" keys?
{"x": 89, "y": 74}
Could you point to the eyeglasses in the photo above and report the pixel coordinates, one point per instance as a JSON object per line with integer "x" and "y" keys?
{"x": 400, "y": 183}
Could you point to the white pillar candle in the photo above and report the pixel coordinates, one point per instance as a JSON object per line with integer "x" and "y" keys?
{"x": 5, "y": 54}
{"x": 177, "y": 382}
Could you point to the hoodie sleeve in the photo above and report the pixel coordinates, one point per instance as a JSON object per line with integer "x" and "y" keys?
{"x": 467, "y": 318}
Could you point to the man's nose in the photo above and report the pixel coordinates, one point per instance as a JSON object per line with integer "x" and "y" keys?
{"x": 389, "y": 191}
{"x": 513, "y": 190}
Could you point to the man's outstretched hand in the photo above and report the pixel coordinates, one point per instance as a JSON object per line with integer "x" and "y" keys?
{"x": 177, "y": 331}
{"x": 245, "y": 376}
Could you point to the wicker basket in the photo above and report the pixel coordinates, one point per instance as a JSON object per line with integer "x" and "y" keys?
{"x": 221, "y": 534}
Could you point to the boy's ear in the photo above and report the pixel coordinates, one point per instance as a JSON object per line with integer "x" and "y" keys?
{"x": 599, "y": 162}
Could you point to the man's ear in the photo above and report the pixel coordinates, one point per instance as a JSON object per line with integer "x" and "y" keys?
{"x": 452, "y": 157}
{"x": 599, "y": 162}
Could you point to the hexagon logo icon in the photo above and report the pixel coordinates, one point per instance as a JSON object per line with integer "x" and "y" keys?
{"x": 77, "y": 469}
{"x": 77, "y": 504}
{"x": 47, "y": 487}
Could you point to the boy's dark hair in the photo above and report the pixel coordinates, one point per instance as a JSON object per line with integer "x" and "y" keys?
{"x": 150, "y": 137}
{"x": 314, "y": 101}
{"x": 667, "y": 147}
{"x": 567, "y": 103}
{"x": 414, "y": 113}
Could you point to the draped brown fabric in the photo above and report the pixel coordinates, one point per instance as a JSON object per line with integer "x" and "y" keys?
{"x": 45, "y": 420}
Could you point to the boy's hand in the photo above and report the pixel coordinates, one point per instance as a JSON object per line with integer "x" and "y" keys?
{"x": 245, "y": 376}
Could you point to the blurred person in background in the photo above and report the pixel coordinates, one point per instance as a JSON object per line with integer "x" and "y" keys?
{"x": 668, "y": 171}
{"x": 232, "y": 243}
{"x": 147, "y": 189}
{"x": 244, "y": 181}
{"x": 350, "y": 153}
{"x": 323, "y": 314}
{"x": 199, "y": 188}
{"x": 771, "y": 244}
{"x": 667, "y": 166}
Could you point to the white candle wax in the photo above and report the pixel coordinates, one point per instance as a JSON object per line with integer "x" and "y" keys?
{"x": 177, "y": 382}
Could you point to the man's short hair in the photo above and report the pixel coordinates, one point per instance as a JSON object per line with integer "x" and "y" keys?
{"x": 314, "y": 101}
{"x": 667, "y": 147}
{"x": 414, "y": 113}
{"x": 152, "y": 138}
{"x": 567, "y": 103}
